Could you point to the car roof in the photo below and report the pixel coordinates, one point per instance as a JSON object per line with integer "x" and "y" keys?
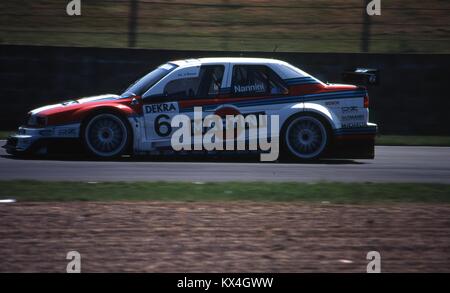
{"x": 221, "y": 60}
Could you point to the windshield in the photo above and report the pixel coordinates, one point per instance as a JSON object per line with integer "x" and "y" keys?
{"x": 145, "y": 83}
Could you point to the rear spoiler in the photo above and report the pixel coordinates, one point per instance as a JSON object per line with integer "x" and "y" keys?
{"x": 362, "y": 76}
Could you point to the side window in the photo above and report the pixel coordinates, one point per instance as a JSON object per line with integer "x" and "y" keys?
{"x": 253, "y": 80}
{"x": 212, "y": 76}
{"x": 207, "y": 84}
{"x": 182, "y": 88}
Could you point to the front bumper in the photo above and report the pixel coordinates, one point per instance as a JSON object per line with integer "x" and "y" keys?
{"x": 29, "y": 140}
{"x": 18, "y": 144}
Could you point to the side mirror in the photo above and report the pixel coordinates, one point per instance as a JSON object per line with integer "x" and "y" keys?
{"x": 134, "y": 101}
{"x": 362, "y": 76}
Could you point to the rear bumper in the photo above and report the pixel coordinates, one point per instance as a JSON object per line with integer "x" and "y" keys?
{"x": 354, "y": 143}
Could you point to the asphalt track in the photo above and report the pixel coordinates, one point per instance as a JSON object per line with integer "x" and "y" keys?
{"x": 392, "y": 164}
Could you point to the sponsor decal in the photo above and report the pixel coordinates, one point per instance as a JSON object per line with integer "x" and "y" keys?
{"x": 187, "y": 74}
{"x": 67, "y": 132}
{"x": 352, "y": 117}
{"x": 158, "y": 108}
{"x": 159, "y": 116}
{"x": 332, "y": 103}
{"x": 349, "y": 109}
{"x": 249, "y": 88}
{"x": 353, "y": 124}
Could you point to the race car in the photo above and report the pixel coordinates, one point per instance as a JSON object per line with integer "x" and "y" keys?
{"x": 316, "y": 119}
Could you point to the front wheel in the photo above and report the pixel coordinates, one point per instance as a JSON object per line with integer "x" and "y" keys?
{"x": 305, "y": 138}
{"x": 106, "y": 135}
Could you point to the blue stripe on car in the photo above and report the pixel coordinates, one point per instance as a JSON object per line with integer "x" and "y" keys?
{"x": 285, "y": 100}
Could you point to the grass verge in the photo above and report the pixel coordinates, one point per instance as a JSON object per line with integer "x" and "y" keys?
{"x": 412, "y": 140}
{"x": 5, "y": 134}
{"x": 230, "y": 191}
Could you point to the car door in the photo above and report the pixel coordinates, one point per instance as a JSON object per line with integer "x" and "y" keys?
{"x": 188, "y": 88}
{"x": 255, "y": 90}
{"x": 161, "y": 104}
{"x": 206, "y": 98}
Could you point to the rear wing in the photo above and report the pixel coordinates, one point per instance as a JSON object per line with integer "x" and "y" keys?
{"x": 362, "y": 76}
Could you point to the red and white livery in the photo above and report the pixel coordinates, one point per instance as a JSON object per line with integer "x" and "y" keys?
{"x": 316, "y": 119}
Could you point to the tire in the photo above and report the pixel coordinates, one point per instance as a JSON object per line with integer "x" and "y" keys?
{"x": 106, "y": 135}
{"x": 305, "y": 137}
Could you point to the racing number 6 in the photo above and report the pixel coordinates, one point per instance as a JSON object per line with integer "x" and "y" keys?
{"x": 162, "y": 128}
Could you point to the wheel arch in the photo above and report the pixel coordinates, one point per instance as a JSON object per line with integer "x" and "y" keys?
{"x": 288, "y": 154}
{"x": 327, "y": 122}
{"x": 322, "y": 112}
{"x": 112, "y": 110}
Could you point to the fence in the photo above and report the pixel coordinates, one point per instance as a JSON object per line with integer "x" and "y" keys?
{"x": 405, "y": 26}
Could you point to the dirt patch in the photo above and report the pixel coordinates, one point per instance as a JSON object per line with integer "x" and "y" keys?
{"x": 223, "y": 237}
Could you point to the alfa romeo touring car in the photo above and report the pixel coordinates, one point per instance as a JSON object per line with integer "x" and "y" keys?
{"x": 316, "y": 119}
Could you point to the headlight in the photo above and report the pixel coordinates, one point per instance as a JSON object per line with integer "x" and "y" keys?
{"x": 37, "y": 121}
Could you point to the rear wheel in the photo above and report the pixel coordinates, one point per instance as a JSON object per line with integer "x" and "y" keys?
{"x": 106, "y": 135}
{"x": 305, "y": 137}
